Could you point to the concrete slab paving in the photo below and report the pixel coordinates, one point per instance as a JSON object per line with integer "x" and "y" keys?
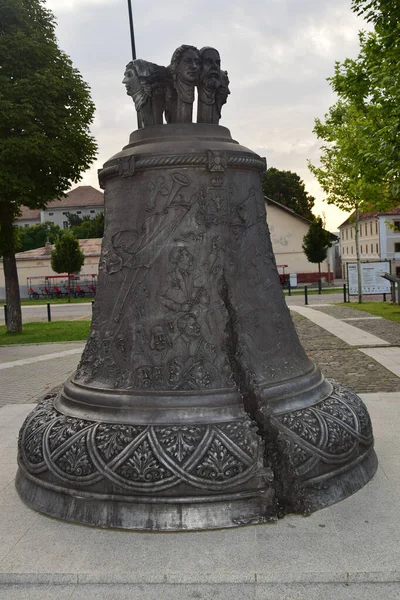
{"x": 388, "y": 357}
{"x": 348, "y": 333}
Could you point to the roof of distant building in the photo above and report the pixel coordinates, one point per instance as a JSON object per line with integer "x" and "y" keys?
{"x": 90, "y": 247}
{"x": 83, "y": 195}
{"x": 28, "y": 213}
{"x": 371, "y": 214}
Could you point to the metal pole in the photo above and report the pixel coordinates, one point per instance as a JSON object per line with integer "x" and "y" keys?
{"x": 132, "y": 30}
{"x": 5, "y": 314}
{"x": 344, "y": 293}
{"x": 305, "y": 295}
{"x": 48, "y": 312}
{"x": 319, "y": 286}
{"x": 289, "y": 288}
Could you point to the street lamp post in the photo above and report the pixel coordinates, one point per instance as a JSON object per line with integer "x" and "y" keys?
{"x": 131, "y": 29}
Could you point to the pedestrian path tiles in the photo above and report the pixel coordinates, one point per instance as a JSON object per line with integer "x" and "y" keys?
{"x": 348, "y": 333}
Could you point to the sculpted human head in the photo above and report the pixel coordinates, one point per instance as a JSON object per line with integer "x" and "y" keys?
{"x": 181, "y": 257}
{"x": 189, "y": 325}
{"x": 186, "y": 64}
{"x": 129, "y": 79}
{"x": 210, "y": 67}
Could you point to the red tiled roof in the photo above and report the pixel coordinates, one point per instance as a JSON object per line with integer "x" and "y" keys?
{"x": 28, "y": 213}
{"x": 369, "y": 215}
{"x": 83, "y": 195}
{"x": 91, "y": 247}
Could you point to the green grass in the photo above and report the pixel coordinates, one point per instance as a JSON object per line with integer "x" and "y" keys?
{"x": 387, "y": 310}
{"x": 40, "y": 333}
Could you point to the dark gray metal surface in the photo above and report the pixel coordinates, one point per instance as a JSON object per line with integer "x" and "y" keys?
{"x": 194, "y": 405}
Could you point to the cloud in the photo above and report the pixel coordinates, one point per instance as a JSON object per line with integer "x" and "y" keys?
{"x": 278, "y": 54}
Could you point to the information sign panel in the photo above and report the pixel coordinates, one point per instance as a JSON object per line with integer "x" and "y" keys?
{"x": 372, "y": 281}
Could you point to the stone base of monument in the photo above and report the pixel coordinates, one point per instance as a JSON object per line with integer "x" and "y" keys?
{"x": 97, "y": 473}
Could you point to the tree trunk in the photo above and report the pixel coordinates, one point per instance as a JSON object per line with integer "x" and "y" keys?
{"x": 69, "y": 287}
{"x": 13, "y": 300}
{"x": 357, "y": 242}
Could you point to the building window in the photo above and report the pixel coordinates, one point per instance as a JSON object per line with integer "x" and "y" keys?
{"x": 351, "y": 233}
{"x": 65, "y": 213}
{"x": 396, "y": 225}
{"x": 361, "y": 250}
{"x": 370, "y": 228}
{"x": 51, "y": 214}
{"x": 78, "y": 212}
{"x": 377, "y": 251}
{"x": 366, "y": 229}
{"x": 376, "y": 227}
{"x": 351, "y": 251}
{"x": 92, "y": 211}
{"x": 26, "y": 225}
{"x": 397, "y": 247}
{"x": 347, "y": 234}
{"x": 65, "y": 224}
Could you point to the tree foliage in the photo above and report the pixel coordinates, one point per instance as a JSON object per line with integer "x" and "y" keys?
{"x": 35, "y": 236}
{"x": 316, "y": 242}
{"x": 288, "y": 189}
{"x": 67, "y": 257}
{"x": 85, "y": 228}
{"x": 361, "y": 132}
{"x": 45, "y": 114}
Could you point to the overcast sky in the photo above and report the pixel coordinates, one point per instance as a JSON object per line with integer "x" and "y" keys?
{"x": 278, "y": 54}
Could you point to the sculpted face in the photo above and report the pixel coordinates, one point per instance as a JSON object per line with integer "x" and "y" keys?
{"x": 160, "y": 340}
{"x": 191, "y": 327}
{"x": 210, "y": 64}
{"x": 129, "y": 81}
{"x": 185, "y": 260}
{"x": 189, "y": 67}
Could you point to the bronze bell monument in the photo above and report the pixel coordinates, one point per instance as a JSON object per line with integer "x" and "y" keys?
{"x": 194, "y": 406}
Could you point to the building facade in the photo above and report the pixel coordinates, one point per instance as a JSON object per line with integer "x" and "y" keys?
{"x": 379, "y": 239}
{"x": 287, "y": 230}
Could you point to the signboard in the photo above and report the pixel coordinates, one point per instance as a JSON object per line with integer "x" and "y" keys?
{"x": 371, "y": 280}
{"x": 293, "y": 279}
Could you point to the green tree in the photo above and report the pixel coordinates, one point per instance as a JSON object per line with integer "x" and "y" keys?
{"x": 316, "y": 243}
{"x": 67, "y": 257}
{"x": 45, "y": 114}
{"x": 288, "y": 189}
{"x": 360, "y": 155}
{"x": 36, "y": 236}
{"x": 89, "y": 228}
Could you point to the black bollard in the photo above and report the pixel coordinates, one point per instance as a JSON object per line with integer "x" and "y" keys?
{"x": 319, "y": 286}
{"x": 48, "y": 312}
{"x": 344, "y": 293}
{"x": 305, "y": 295}
{"x": 289, "y": 288}
{"x": 384, "y": 297}
{"x": 5, "y": 314}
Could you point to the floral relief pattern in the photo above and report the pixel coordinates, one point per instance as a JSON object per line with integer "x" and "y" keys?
{"x": 139, "y": 458}
{"x": 333, "y": 432}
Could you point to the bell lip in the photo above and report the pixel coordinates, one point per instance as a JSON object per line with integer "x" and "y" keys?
{"x": 121, "y": 406}
{"x": 295, "y": 393}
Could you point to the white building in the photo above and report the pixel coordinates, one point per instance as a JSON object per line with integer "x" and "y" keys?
{"x": 379, "y": 239}
{"x": 287, "y": 230}
{"x": 83, "y": 201}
